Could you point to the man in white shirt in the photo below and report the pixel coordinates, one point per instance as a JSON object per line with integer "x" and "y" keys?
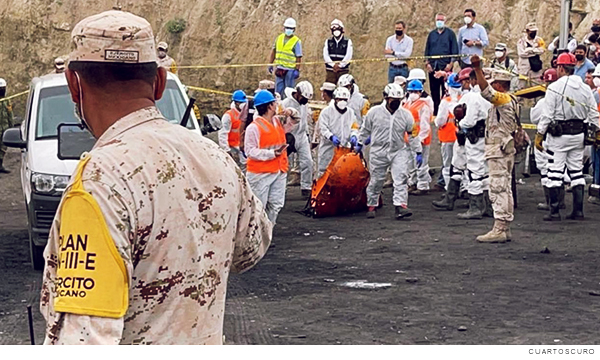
{"x": 399, "y": 46}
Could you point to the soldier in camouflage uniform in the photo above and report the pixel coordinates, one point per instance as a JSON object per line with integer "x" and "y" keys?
{"x": 155, "y": 217}
{"x": 6, "y": 122}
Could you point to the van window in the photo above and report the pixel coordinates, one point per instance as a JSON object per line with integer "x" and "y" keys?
{"x": 172, "y": 105}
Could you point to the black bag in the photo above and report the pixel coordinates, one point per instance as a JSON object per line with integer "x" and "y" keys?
{"x": 461, "y": 138}
{"x": 535, "y": 63}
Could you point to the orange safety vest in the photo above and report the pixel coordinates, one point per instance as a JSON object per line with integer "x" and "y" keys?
{"x": 270, "y": 137}
{"x": 447, "y": 133}
{"x": 234, "y": 134}
{"x": 414, "y": 109}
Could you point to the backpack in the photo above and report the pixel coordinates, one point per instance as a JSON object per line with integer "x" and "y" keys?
{"x": 520, "y": 138}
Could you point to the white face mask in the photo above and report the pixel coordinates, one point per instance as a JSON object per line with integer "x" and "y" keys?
{"x": 454, "y": 93}
{"x": 414, "y": 97}
{"x": 342, "y": 104}
{"x": 597, "y": 82}
{"x": 337, "y": 33}
{"x": 499, "y": 54}
{"x": 468, "y": 20}
{"x": 289, "y": 32}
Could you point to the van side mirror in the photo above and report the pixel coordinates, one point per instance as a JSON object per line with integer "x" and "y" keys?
{"x": 74, "y": 140}
{"x": 12, "y": 138}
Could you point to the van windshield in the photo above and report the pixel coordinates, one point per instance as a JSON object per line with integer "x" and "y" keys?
{"x": 56, "y": 108}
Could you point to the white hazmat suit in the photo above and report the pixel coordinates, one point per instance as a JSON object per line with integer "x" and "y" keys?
{"x": 300, "y": 133}
{"x": 332, "y": 122}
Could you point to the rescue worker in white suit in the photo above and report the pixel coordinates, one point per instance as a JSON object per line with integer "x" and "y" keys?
{"x": 229, "y": 134}
{"x": 570, "y": 106}
{"x": 459, "y": 155}
{"x": 421, "y": 111}
{"x": 445, "y": 123}
{"x": 477, "y": 110}
{"x": 387, "y": 125}
{"x": 297, "y": 98}
{"x": 338, "y": 126}
{"x": 357, "y": 101}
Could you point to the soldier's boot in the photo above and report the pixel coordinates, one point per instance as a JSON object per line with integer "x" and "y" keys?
{"x": 402, "y": 212}
{"x": 561, "y": 198}
{"x": 371, "y": 212}
{"x": 447, "y": 203}
{"x": 554, "y": 215}
{"x": 3, "y": 170}
{"x": 577, "y": 213}
{"x": 476, "y": 209}
{"x": 487, "y": 205}
{"x": 500, "y": 233}
{"x": 545, "y": 206}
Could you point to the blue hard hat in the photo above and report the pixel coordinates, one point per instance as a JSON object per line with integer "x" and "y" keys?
{"x": 263, "y": 97}
{"x": 453, "y": 81}
{"x": 415, "y": 85}
{"x": 239, "y": 96}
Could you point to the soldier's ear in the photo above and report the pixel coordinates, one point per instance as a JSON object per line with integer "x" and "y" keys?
{"x": 160, "y": 83}
{"x": 74, "y": 86}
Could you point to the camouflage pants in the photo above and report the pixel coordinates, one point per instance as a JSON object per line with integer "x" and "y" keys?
{"x": 500, "y": 187}
{"x": 2, "y": 146}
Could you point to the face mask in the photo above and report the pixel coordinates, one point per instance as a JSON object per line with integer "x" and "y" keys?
{"x": 162, "y": 54}
{"x": 303, "y": 101}
{"x": 394, "y": 104}
{"x": 499, "y": 54}
{"x": 337, "y": 33}
{"x": 596, "y": 82}
{"x": 596, "y": 28}
{"x": 439, "y": 24}
{"x": 468, "y": 20}
{"x": 579, "y": 57}
{"x": 532, "y": 34}
{"x": 414, "y": 97}
{"x": 399, "y": 32}
{"x": 289, "y": 32}
{"x": 2, "y": 92}
{"x": 342, "y": 105}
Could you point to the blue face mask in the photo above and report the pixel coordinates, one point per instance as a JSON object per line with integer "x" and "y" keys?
{"x": 289, "y": 32}
{"x": 439, "y": 24}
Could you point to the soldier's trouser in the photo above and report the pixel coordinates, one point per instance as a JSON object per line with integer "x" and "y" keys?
{"x": 270, "y": 189}
{"x": 477, "y": 167}
{"x": 379, "y": 166}
{"x": 541, "y": 162}
{"x": 447, "y": 152}
{"x": 2, "y": 146}
{"x": 572, "y": 160}
{"x": 500, "y": 187}
{"x": 306, "y": 163}
{"x": 419, "y": 175}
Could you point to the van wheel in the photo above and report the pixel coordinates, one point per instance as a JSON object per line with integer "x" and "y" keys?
{"x": 36, "y": 253}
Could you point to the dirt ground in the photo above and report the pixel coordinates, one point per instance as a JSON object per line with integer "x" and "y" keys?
{"x": 441, "y": 279}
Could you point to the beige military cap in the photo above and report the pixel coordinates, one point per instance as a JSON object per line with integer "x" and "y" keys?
{"x": 113, "y": 36}
{"x": 531, "y": 27}
{"x": 163, "y": 46}
{"x": 327, "y": 86}
{"x": 59, "y": 63}
{"x": 499, "y": 75}
{"x": 266, "y": 85}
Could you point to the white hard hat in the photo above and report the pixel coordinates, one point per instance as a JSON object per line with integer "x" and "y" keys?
{"x": 393, "y": 91}
{"x": 2, "y": 83}
{"x": 400, "y": 80}
{"x": 336, "y": 23}
{"x": 289, "y": 23}
{"x": 306, "y": 89}
{"x": 416, "y": 74}
{"x": 341, "y": 93}
{"x": 597, "y": 71}
{"x": 345, "y": 80}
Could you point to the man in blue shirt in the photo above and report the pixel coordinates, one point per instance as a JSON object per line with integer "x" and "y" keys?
{"x": 472, "y": 38}
{"x": 398, "y": 46}
{"x": 583, "y": 64}
{"x": 441, "y": 41}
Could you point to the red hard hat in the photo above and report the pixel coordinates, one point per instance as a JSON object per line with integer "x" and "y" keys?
{"x": 464, "y": 74}
{"x": 550, "y": 75}
{"x": 566, "y": 59}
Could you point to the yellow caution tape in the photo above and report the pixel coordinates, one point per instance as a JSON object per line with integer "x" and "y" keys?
{"x": 529, "y": 126}
{"x": 385, "y": 59}
{"x": 14, "y": 96}
{"x": 211, "y": 91}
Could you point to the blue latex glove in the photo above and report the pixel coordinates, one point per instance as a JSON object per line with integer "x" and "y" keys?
{"x": 358, "y": 148}
{"x": 353, "y": 141}
{"x": 419, "y": 159}
{"x": 296, "y": 74}
{"x": 368, "y": 141}
{"x": 270, "y": 69}
{"x": 335, "y": 140}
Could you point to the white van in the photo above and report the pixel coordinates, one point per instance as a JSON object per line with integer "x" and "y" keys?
{"x": 43, "y": 175}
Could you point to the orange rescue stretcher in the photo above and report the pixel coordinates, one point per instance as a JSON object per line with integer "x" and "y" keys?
{"x": 342, "y": 188}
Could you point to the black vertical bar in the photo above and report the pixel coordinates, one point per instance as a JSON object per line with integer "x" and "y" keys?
{"x": 30, "y": 317}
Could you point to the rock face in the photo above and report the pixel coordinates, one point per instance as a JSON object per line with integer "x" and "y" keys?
{"x": 34, "y": 32}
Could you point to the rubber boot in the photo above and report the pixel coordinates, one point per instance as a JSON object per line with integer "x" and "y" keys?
{"x": 402, "y": 212}
{"x": 561, "y": 198}
{"x": 476, "y": 209}
{"x": 554, "y": 214}
{"x": 577, "y": 213}
{"x": 371, "y": 212}
{"x": 545, "y": 206}
{"x": 500, "y": 233}
{"x": 488, "y": 210}
{"x": 447, "y": 203}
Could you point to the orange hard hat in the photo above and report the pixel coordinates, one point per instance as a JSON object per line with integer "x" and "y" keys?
{"x": 550, "y": 75}
{"x": 464, "y": 74}
{"x": 566, "y": 59}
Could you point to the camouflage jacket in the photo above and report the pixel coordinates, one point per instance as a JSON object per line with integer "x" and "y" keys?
{"x": 6, "y": 115}
{"x": 182, "y": 216}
